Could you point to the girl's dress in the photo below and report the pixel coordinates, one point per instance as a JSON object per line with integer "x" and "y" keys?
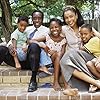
{"x": 57, "y": 46}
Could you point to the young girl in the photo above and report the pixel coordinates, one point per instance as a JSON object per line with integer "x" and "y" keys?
{"x": 91, "y": 45}
{"x": 18, "y": 40}
{"x": 55, "y": 47}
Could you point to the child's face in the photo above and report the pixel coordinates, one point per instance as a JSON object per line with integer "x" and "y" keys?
{"x": 22, "y": 26}
{"x": 55, "y": 28}
{"x": 86, "y": 34}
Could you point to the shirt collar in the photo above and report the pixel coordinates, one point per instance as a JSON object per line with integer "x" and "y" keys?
{"x": 38, "y": 27}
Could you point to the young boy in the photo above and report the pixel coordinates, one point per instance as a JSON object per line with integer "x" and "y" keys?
{"x": 18, "y": 40}
{"x": 91, "y": 45}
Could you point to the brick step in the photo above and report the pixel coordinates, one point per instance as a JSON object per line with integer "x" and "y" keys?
{"x": 10, "y": 76}
{"x": 14, "y": 84}
{"x": 43, "y": 94}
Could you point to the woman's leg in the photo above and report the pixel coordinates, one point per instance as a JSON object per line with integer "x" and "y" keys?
{"x": 66, "y": 85}
{"x": 86, "y": 78}
{"x": 91, "y": 66}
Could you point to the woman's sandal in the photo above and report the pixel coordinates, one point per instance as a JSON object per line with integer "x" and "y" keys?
{"x": 92, "y": 89}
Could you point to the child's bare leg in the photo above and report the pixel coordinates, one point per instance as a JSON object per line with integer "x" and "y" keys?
{"x": 56, "y": 59}
{"x": 17, "y": 64}
{"x": 92, "y": 68}
{"x": 45, "y": 69}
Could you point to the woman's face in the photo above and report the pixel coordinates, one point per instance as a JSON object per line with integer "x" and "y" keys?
{"x": 70, "y": 18}
{"x": 55, "y": 28}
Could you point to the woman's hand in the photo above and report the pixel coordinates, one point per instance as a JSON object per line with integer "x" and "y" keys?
{"x": 98, "y": 66}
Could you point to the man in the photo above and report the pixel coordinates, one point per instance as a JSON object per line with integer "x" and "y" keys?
{"x": 34, "y": 32}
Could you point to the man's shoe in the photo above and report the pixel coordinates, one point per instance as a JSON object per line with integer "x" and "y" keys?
{"x": 32, "y": 87}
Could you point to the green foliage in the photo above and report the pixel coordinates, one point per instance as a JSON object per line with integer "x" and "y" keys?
{"x": 22, "y": 8}
{"x": 50, "y": 7}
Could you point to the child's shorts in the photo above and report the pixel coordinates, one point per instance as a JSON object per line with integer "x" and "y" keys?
{"x": 21, "y": 54}
{"x": 44, "y": 58}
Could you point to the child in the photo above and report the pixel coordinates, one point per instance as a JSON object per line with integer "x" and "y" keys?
{"x": 18, "y": 40}
{"x": 55, "y": 47}
{"x": 92, "y": 46}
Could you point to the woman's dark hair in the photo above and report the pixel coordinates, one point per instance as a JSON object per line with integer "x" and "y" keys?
{"x": 88, "y": 26}
{"x": 80, "y": 20}
{"x": 56, "y": 20}
{"x": 39, "y": 12}
{"x": 23, "y": 18}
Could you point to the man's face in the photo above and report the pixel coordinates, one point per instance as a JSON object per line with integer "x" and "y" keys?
{"x": 37, "y": 19}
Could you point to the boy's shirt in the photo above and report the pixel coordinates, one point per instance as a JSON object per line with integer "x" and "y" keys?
{"x": 20, "y": 37}
{"x": 93, "y": 46}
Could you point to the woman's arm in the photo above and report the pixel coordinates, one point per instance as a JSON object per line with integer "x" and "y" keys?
{"x": 98, "y": 61}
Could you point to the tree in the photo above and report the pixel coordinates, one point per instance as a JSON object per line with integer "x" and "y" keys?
{"x": 6, "y": 19}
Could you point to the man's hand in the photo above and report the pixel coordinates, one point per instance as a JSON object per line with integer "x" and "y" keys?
{"x": 12, "y": 50}
{"x": 25, "y": 49}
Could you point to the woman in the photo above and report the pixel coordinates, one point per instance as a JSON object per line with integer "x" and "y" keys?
{"x": 73, "y": 63}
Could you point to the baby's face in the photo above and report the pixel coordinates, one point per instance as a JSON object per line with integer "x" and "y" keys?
{"x": 55, "y": 28}
{"x": 22, "y": 26}
{"x": 86, "y": 34}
